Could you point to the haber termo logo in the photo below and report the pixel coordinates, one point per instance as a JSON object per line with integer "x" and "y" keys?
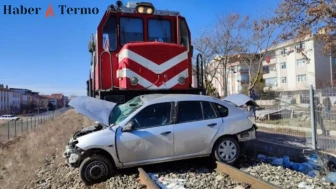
{"x": 48, "y": 11}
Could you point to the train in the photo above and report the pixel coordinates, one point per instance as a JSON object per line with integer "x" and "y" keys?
{"x": 139, "y": 50}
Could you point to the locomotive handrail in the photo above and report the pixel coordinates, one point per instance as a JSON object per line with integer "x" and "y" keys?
{"x": 199, "y": 71}
{"x": 111, "y": 68}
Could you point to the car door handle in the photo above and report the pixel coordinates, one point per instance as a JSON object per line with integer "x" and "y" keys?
{"x": 212, "y": 124}
{"x": 166, "y": 133}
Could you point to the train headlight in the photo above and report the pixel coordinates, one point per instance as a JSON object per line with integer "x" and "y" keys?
{"x": 141, "y": 9}
{"x": 145, "y": 8}
{"x": 181, "y": 80}
{"x": 134, "y": 81}
{"x": 149, "y": 11}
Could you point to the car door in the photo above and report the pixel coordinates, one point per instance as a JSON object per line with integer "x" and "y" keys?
{"x": 196, "y": 125}
{"x": 152, "y": 137}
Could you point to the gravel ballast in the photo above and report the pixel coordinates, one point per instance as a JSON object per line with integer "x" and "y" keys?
{"x": 285, "y": 178}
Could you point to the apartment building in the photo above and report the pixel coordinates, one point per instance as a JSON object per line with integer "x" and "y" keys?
{"x": 294, "y": 66}
{"x": 237, "y": 74}
{"x": 4, "y": 99}
{"x": 14, "y": 102}
{"x": 60, "y": 100}
{"x": 44, "y": 101}
{"x": 26, "y": 96}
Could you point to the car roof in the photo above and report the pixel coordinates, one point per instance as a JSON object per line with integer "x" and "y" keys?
{"x": 154, "y": 98}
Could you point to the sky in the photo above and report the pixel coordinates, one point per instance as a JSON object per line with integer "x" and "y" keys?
{"x": 50, "y": 55}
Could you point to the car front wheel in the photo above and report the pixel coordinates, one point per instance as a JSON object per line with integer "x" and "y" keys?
{"x": 95, "y": 169}
{"x": 227, "y": 150}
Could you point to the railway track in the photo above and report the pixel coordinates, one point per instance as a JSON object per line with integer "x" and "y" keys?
{"x": 222, "y": 176}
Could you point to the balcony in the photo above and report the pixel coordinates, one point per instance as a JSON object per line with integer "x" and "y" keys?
{"x": 271, "y": 74}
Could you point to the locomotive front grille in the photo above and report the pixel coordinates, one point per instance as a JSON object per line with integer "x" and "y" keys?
{"x": 119, "y": 99}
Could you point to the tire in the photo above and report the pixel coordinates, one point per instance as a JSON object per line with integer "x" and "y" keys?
{"x": 232, "y": 145}
{"x": 103, "y": 167}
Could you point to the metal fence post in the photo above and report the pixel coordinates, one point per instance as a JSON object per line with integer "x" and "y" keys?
{"x": 8, "y": 130}
{"x": 31, "y": 122}
{"x": 14, "y": 128}
{"x": 21, "y": 126}
{"x": 312, "y": 116}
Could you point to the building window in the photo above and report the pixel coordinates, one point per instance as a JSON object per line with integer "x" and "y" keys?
{"x": 265, "y": 69}
{"x": 283, "y": 51}
{"x": 300, "y": 46}
{"x": 333, "y": 60}
{"x": 300, "y": 62}
{"x": 283, "y": 65}
{"x": 301, "y": 78}
{"x": 243, "y": 78}
{"x": 270, "y": 81}
{"x": 283, "y": 80}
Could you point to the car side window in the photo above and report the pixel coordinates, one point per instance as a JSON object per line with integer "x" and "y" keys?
{"x": 189, "y": 111}
{"x": 153, "y": 116}
{"x": 208, "y": 111}
{"x": 222, "y": 110}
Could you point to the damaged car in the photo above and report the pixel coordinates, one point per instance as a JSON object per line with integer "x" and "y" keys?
{"x": 155, "y": 128}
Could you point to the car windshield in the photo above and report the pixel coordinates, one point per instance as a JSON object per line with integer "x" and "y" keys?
{"x": 122, "y": 111}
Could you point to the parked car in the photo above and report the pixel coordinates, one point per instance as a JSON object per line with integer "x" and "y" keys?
{"x": 9, "y": 117}
{"x": 155, "y": 128}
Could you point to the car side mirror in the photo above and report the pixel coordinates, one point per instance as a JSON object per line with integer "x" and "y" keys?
{"x": 128, "y": 127}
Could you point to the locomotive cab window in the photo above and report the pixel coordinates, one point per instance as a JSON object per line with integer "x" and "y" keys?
{"x": 160, "y": 30}
{"x": 110, "y": 34}
{"x": 184, "y": 33}
{"x": 131, "y": 29}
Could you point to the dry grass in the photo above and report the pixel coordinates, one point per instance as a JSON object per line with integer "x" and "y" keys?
{"x": 285, "y": 131}
{"x": 22, "y": 159}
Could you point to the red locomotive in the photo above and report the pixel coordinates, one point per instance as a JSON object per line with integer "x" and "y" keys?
{"x": 139, "y": 50}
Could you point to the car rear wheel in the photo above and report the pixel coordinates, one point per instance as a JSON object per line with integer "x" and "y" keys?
{"x": 227, "y": 150}
{"x": 95, "y": 169}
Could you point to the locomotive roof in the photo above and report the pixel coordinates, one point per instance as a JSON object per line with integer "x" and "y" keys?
{"x": 131, "y": 7}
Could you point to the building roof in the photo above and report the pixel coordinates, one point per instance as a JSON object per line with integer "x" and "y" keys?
{"x": 43, "y": 96}
{"x": 4, "y": 89}
{"x": 57, "y": 95}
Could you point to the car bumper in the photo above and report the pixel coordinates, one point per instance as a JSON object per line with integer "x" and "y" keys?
{"x": 247, "y": 135}
{"x": 72, "y": 155}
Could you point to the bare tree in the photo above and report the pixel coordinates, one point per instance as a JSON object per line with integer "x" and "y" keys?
{"x": 218, "y": 45}
{"x": 255, "y": 46}
{"x": 300, "y": 18}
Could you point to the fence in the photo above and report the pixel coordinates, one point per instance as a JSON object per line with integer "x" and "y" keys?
{"x": 288, "y": 119}
{"x": 12, "y": 129}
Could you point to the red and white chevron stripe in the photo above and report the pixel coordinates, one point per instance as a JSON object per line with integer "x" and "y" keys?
{"x": 152, "y": 75}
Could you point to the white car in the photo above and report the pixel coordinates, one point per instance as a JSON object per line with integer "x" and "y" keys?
{"x": 9, "y": 117}
{"x": 155, "y": 128}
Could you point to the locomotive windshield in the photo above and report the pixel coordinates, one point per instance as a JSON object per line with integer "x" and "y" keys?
{"x": 160, "y": 30}
{"x": 132, "y": 29}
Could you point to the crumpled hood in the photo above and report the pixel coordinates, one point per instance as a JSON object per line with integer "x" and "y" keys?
{"x": 240, "y": 99}
{"x": 96, "y": 109}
